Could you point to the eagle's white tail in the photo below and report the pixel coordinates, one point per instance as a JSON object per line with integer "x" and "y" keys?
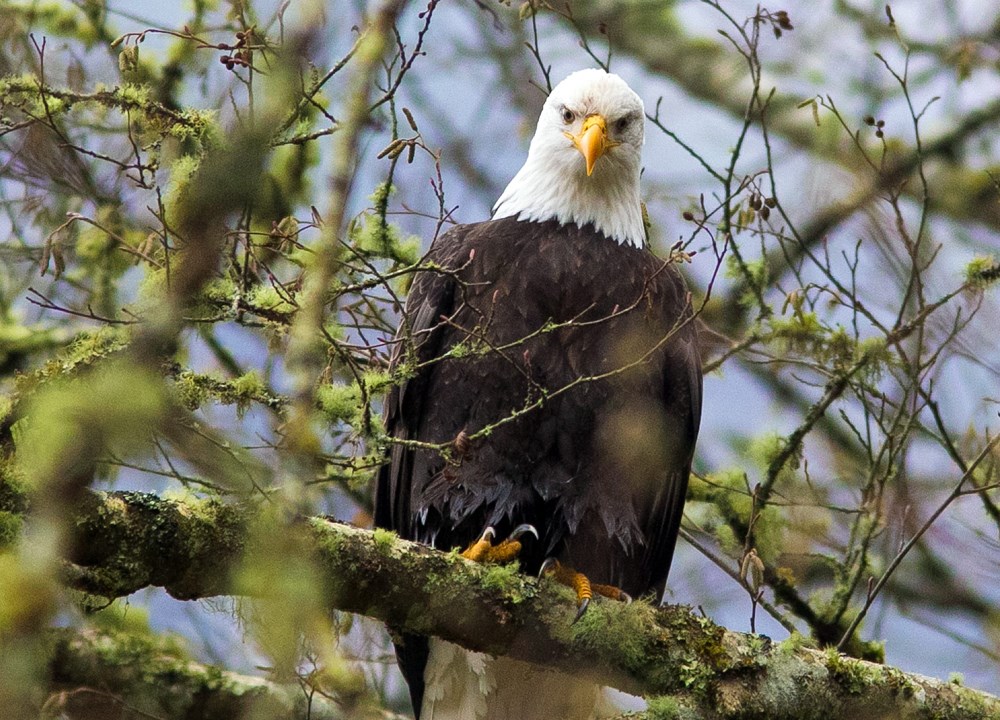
{"x": 465, "y": 685}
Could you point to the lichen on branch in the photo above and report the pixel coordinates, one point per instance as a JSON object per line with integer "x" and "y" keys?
{"x": 134, "y": 540}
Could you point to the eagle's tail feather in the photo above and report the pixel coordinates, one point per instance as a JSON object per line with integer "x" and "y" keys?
{"x": 465, "y": 685}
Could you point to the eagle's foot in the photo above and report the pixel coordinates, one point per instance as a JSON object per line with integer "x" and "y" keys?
{"x": 581, "y": 585}
{"x": 610, "y": 591}
{"x": 484, "y": 551}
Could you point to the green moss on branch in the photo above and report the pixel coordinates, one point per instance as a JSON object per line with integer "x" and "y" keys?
{"x": 111, "y": 673}
{"x": 132, "y": 540}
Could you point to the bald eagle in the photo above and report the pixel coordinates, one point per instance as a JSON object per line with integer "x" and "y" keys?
{"x": 555, "y": 357}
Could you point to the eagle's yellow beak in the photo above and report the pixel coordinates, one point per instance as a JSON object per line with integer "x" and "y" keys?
{"x": 592, "y": 141}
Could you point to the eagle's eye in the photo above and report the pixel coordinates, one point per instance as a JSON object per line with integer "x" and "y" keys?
{"x": 622, "y": 125}
{"x": 568, "y": 115}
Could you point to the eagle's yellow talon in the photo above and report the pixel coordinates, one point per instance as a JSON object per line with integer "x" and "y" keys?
{"x": 484, "y": 551}
{"x": 581, "y": 585}
{"x": 478, "y": 550}
{"x": 610, "y": 591}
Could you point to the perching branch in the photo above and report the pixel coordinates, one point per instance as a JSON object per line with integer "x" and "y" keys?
{"x": 114, "y": 674}
{"x": 134, "y": 540}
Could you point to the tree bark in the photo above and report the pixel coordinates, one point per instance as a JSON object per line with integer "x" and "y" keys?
{"x": 686, "y": 663}
{"x": 115, "y": 674}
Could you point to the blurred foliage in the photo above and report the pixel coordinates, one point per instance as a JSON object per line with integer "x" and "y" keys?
{"x": 168, "y": 192}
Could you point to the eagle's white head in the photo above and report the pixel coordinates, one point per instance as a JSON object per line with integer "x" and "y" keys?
{"x": 584, "y": 161}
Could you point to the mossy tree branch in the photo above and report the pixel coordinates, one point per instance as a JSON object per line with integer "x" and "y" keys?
{"x": 102, "y": 674}
{"x": 134, "y": 540}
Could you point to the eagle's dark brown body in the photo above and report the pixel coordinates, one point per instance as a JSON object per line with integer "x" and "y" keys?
{"x": 591, "y": 344}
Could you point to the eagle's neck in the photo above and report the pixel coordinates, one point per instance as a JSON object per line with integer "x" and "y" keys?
{"x": 553, "y": 185}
